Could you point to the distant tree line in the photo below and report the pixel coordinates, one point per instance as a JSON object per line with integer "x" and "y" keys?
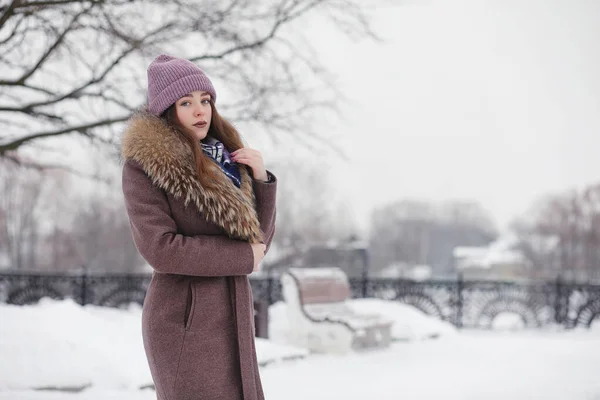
{"x": 48, "y": 223}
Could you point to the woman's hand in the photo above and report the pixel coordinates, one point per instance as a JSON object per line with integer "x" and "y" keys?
{"x": 258, "y": 249}
{"x": 253, "y": 159}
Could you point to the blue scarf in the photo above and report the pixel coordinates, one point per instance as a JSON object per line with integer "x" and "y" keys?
{"x": 218, "y": 153}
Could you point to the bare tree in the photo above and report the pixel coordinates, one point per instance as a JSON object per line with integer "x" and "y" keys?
{"x": 101, "y": 236}
{"x": 75, "y": 66}
{"x": 48, "y": 223}
{"x": 35, "y": 214}
{"x": 21, "y": 189}
{"x": 561, "y": 234}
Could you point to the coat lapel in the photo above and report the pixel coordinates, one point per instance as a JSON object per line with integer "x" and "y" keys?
{"x": 169, "y": 162}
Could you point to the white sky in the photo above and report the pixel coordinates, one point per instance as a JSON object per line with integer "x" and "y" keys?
{"x": 497, "y": 101}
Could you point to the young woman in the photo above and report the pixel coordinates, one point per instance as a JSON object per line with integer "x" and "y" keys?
{"x": 202, "y": 213}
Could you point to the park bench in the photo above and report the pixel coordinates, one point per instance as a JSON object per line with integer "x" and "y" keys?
{"x": 321, "y": 317}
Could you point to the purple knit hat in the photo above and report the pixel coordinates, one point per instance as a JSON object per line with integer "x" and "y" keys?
{"x": 171, "y": 78}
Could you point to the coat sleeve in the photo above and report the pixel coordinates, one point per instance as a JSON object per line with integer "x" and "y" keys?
{"x": 266, "y": 198}
{"x": 155, "y": 234}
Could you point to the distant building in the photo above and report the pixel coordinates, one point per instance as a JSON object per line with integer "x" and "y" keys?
{"x": 4, "y": 260}
{"x": 501, "y": 259}
{"x": 351, "y": 256}
{"x": 401, "y": 270}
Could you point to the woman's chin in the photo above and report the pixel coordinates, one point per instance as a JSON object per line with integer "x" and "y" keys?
{"x": 201, "y": 134}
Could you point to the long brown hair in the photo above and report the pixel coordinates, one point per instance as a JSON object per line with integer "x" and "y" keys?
{"x": 220, "y": 129}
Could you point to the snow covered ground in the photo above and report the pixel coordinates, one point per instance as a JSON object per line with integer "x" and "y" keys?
{"x": 58, "y": 344}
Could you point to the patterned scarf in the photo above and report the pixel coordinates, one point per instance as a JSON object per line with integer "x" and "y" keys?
{"x": 218, "y": 153}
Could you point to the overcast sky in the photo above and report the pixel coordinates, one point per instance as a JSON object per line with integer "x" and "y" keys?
{"x": 497, "y": 101}
{"x": 493, "y": 101}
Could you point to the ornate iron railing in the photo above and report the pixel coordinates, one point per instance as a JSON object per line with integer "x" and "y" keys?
{"x": 473, "y": 304}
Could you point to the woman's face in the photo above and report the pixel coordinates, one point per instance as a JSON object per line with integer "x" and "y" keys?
{"x": 194, "y": 113}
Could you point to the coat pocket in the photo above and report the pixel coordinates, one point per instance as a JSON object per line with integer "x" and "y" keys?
{"x": 189, "y": 307}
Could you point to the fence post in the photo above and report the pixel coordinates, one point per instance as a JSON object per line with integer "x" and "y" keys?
{"x": 559, "y": 303}
{"x": 364, "y": 288}
{"x": 129, "y": 284}
{"x": 365, "y": 272}
{"x": 261, "y": 319}
{"x": 261, "y": 310}
{"x": 459, "y": 300}
{"x": 270, "y": 280}
{"x": 84, "y": 289}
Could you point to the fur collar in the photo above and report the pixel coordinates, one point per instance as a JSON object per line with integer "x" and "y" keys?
{"x": 168, "y": 161}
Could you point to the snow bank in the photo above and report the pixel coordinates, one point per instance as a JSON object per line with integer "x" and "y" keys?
{"x": 59, "y": 344}
{"x": 409, "y": 322}
{"x": 268, "y": 352}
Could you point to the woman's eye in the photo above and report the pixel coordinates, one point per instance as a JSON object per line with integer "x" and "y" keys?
{"x": 184, "y": 103}
{"x": 205, "y": 101}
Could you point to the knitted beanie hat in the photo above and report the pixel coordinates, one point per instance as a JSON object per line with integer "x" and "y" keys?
{"x": 171, "y": 78}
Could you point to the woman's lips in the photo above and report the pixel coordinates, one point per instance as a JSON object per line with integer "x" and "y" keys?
{"x": 200, "y": 124}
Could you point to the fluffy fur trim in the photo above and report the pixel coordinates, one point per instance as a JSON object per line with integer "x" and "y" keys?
{"x": 169, "y": 162}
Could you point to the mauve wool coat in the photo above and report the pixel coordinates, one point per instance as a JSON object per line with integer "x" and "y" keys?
{"x": 197, "y": 320}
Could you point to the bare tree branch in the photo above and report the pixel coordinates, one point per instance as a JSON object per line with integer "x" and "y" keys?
{"x": 41, "y": 115}
{"x": 8, "y": 11}
{"x": 13, "y": 145}
{"x": 77, "y": 92}
{"x": 35, "y": 165}
{"x": 14, "y": 31}
{"x": 353, "y": 14}
{"x": 49, "y": 51}
{"x": 284, "y": 18}
{"x": 23, "y": 6}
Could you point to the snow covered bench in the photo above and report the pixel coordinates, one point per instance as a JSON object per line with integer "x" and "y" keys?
{"x": 321, "y": 317}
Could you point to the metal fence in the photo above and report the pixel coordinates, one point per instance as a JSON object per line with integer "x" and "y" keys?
{"x": 473, "y": 304}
